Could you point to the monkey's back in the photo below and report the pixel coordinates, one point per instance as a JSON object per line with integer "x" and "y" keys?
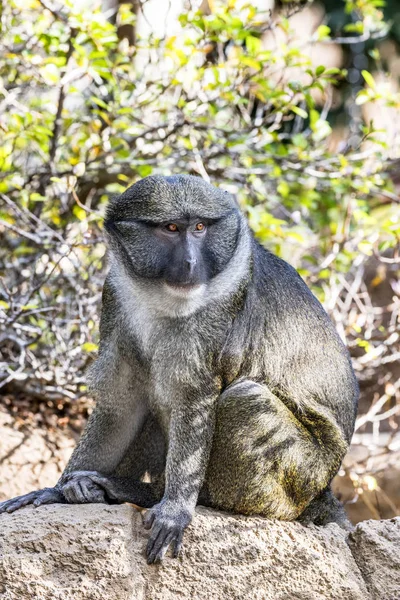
{"x": 284, "y": 338}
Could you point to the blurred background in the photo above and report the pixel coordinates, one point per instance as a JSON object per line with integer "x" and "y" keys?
{"x": 293, "y": 107}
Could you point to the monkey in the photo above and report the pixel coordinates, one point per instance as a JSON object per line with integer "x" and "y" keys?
{"x": 220, "y": 379}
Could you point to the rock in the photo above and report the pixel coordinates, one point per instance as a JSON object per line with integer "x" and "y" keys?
{"x": 376, "y": 548}
{"x": 233, "y": 557}
{"x": 96, "y": 552}
{"x": 70, "y": 552}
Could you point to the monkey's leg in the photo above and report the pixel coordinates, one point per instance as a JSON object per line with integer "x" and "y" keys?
{"x": 146, "y": 454}
{"x": 116, "y": 421}
{"x": 263, "y": 459}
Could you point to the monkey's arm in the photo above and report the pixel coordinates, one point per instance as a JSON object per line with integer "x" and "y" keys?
{"x": 115, "y": 421}
{"x": 100, "y": 449}
{"x": 111, "y": 428}
{"x": 121, "y": 403}
{"x": 191, "y": 431}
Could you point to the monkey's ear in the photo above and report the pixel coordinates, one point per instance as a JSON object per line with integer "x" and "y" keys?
{"x": 234, "y": 198}
{"x": 230, "y": 190}
{"x": 236, "y": 201}
{"x": 111, "y": 208}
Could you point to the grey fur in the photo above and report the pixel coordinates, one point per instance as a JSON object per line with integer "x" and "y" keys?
{"x": 220, "y": 378}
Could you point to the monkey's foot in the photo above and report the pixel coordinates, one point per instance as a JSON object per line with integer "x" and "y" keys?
{"x": 81, "y": 487}
{"x": 44, "y": 496}
{"x": 167, "y": 523}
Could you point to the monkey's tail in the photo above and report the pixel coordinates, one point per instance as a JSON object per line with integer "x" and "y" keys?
{"x": 325, "y": 508}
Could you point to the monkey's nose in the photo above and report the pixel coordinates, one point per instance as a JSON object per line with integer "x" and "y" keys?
{"x": 191, "y": 263}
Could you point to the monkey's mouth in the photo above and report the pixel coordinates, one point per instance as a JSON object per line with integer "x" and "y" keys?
{"x": 184, "y": 290}
{"x": 185, "y": 287}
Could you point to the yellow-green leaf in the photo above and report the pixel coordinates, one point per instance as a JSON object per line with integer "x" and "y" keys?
{"x": 90, "y": 347}
{"x": 299, "y": 111}
{"x": 369, "y": 79}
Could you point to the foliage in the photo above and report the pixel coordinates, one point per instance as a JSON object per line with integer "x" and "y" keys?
{"x": 233, "y": 96}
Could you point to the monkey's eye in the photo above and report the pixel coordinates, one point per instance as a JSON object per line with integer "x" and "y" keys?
{"x": 200, "y": 227}
{"x": 172, "y": 227}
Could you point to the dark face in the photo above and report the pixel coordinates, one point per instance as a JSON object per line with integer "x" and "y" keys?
{"x": 177, "y": 230}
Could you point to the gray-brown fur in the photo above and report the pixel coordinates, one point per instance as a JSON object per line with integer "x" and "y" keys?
{"x": 237, "y": 393}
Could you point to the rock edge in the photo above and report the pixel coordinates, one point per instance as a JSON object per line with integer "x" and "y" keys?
{"x": 96, "y": 552}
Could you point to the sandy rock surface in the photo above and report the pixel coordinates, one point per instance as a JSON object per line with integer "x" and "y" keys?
{"x": 96, "y": 552}
{"x": 376, "y": 548}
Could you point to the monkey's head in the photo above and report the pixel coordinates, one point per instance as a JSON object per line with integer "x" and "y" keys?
{"x": 177, "y": 235}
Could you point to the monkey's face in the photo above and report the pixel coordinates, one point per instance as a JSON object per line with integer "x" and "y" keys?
{"x": 179, "y": 232}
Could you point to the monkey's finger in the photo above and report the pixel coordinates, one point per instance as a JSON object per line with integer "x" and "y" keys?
{"x": 92, "y": 492}
{"x": 160, "y": 551}
{"x": 156, "y": 531}
{"x": 178, "y": 544}
{"x": 4, "y": 505}
{"x": 71, "y": 493}
{"x": 98, "y": 496}
{"x": 157, "y": 543}
{"x": 79, "y": 492}
{"x": 49, "y": 496}
{"x": 97, "y": 478}
{"x": 148, "y": 519}
{"x": 85, "y": 492}
{"x": 104, "y": 483}
{"x": 10, "y": 506}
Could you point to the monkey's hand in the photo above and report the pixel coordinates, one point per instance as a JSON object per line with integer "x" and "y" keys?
{"x": 81, "y": 487}
{"x": 46, "y": 496}
{"x": 167, "y": 522}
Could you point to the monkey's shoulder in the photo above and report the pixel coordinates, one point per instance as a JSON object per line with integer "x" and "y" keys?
{"x": 278, "y": 287}
{"x": 275, "y": 275}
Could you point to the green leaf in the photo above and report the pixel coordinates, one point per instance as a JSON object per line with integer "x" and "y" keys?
{"x": 79, "y": 212}
{"x": 300, "y": 141}
{"x": 283, "y": 189}
{"x": 99, "y": 102}
{"x": 144, "y": 170}
{"x": 323, "y": 32}
{"x": 369, "y": 79}
{"x": 332, "y": 71}
{"x": 362, "y": 97}
{"x": 89, "y": 347}
{"x": 35, "y": 197}
{"x": 253, "y": 44}
{"x": 299, "y": 111}
{"x": 50, "y": 73}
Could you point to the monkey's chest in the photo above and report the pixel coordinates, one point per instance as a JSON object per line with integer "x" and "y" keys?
{"x": 177, "y": 355}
